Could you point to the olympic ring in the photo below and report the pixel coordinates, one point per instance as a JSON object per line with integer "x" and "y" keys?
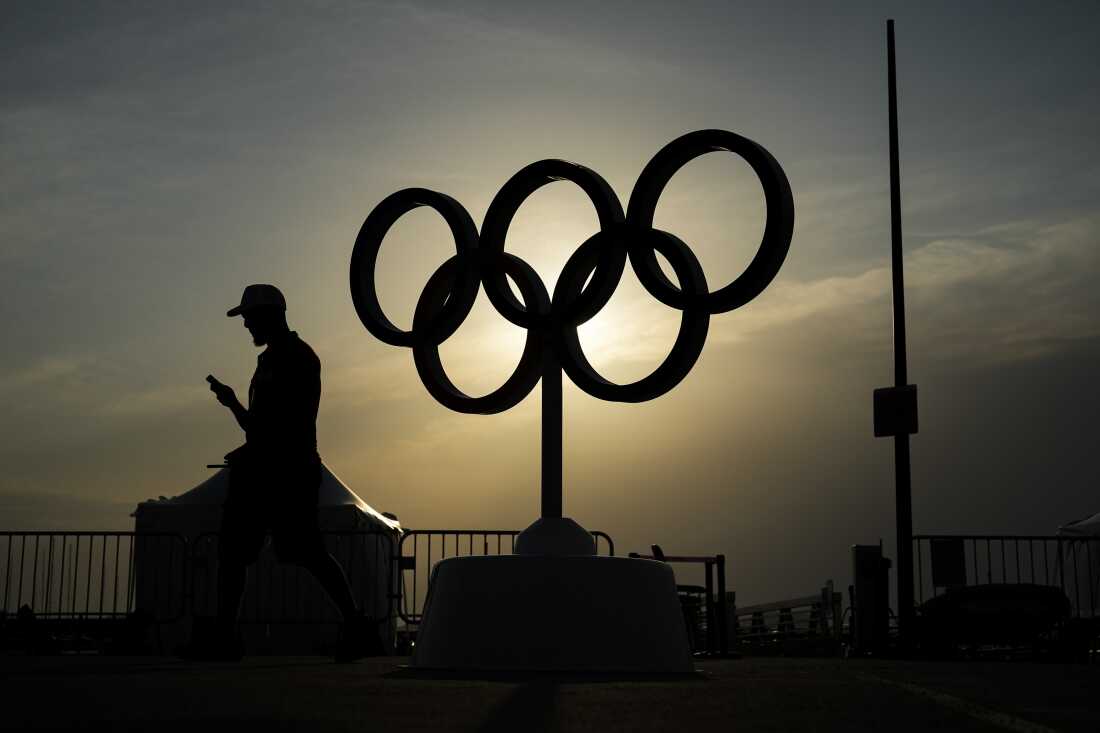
{"x": 365, "y": 258}
{"x": 587, "y": 281}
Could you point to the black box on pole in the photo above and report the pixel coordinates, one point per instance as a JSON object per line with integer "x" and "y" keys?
{"x": 896, "y": 411}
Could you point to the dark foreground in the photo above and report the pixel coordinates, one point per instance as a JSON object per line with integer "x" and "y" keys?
{"x": 313, "y": 694}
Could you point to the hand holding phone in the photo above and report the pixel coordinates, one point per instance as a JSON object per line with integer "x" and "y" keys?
{"x": 223, "y": 392}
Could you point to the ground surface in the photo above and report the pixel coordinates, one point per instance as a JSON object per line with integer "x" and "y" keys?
{"x": 304, "y": 693}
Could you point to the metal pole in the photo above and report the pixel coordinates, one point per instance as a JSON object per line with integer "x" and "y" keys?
{"x": 709, "y": 609}
{"x": 551, "y": 436}
{"x": 903, "y": 488}
{"x": 723, "y": 610}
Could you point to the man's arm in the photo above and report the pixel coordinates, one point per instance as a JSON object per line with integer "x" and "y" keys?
{"x": 228, "y": 397}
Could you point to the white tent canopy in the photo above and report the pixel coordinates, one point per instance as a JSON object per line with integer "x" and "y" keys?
{"x": 332, "y": 493}
{"x": 282, "y": 605}
{"x": 1081, "y": 564}
{"x": 1087, "y": 527}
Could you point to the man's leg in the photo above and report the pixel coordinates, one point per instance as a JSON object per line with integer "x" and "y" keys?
{"x": 232, "y": 574}
{"x": 241, "y": 539}
{"x": 297, "y": 538}
{"x": 220, "y": 642}
{"x": 332, "y": 578}
{"x": 359, "y": 634}
{"x": 359, "y": 637}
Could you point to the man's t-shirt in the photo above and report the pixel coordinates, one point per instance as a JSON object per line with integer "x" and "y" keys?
{"x": 282, "y": 403}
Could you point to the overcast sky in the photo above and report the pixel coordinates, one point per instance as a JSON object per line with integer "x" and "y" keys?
{"x": 156, "y": 158}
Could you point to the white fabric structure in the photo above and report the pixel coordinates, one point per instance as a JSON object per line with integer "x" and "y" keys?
{"x": 1081, "y": 564}
{"x": 283, "y": 602}
{"x": 332, "y": 494}
{"x": 1087, "y": 527}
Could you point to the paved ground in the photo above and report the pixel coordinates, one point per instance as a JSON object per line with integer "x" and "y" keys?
{"x": 303, "y": 693}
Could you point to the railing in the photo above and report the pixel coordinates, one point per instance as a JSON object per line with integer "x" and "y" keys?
{"x": 1071, "y": 564}
{"x": 767, "y": 625}
{"x": 420, "y": 549}
{"x": 110, "y": 575}
{"x": 88, "y": 575}
{"x": 284, "y": 593}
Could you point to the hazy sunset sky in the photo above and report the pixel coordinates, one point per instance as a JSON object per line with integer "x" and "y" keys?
{"x": 156, "y": 158}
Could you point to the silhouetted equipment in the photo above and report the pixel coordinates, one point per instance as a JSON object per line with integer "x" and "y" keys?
{"x": 1001, "y": 613}
{"x": 896, "y": 407}
{"x": 601, "y": 591}
{"x": 871, "y": 600}
{"x": 707, "y": 608}
{"x": 948, "y": 562}
{"x": 1017, "y": 576}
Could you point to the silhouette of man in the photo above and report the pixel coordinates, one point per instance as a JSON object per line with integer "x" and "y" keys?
{"x": 275, "y": 475}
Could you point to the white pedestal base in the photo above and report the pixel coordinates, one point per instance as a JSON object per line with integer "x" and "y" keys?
{"x": 553, "y": 613}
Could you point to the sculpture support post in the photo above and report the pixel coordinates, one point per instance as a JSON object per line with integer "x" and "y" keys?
{"x": 553, "y": 533}
{"x": 551, "y": 436}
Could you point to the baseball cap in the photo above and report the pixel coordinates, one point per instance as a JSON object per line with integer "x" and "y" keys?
{"x": 256, "y": 296}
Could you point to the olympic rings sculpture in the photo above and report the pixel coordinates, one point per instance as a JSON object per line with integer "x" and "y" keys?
{"x": 551, "y": 321}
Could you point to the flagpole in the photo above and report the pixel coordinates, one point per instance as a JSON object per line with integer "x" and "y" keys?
{"x": 902, "y": 471}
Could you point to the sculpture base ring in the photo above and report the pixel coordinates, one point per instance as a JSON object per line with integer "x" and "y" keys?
{"x": 553, "y": 614}
{"x": 555, "y": 536}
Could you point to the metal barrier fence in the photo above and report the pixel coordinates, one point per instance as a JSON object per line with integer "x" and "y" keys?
{"x": 767, "y": 625}
{"x": 105, "y": 575}
{"x": 421, "y": 548}
{"x": 1071, "y": 564}
{"x": 282, "y": 593}
{"x": 88, "y": 575}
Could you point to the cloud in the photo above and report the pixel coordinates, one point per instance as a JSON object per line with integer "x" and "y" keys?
{"x": 158, "y": 402}
{"x": 57, "y": 396}
{"x": 1014, "y": 291}
{"x": 27, "y": 511}
{"x": 1019, "y": 290}
{"x": 43, "y": 372}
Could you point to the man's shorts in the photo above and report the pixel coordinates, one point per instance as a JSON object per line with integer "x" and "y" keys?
{"x": 280, "y": 500}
